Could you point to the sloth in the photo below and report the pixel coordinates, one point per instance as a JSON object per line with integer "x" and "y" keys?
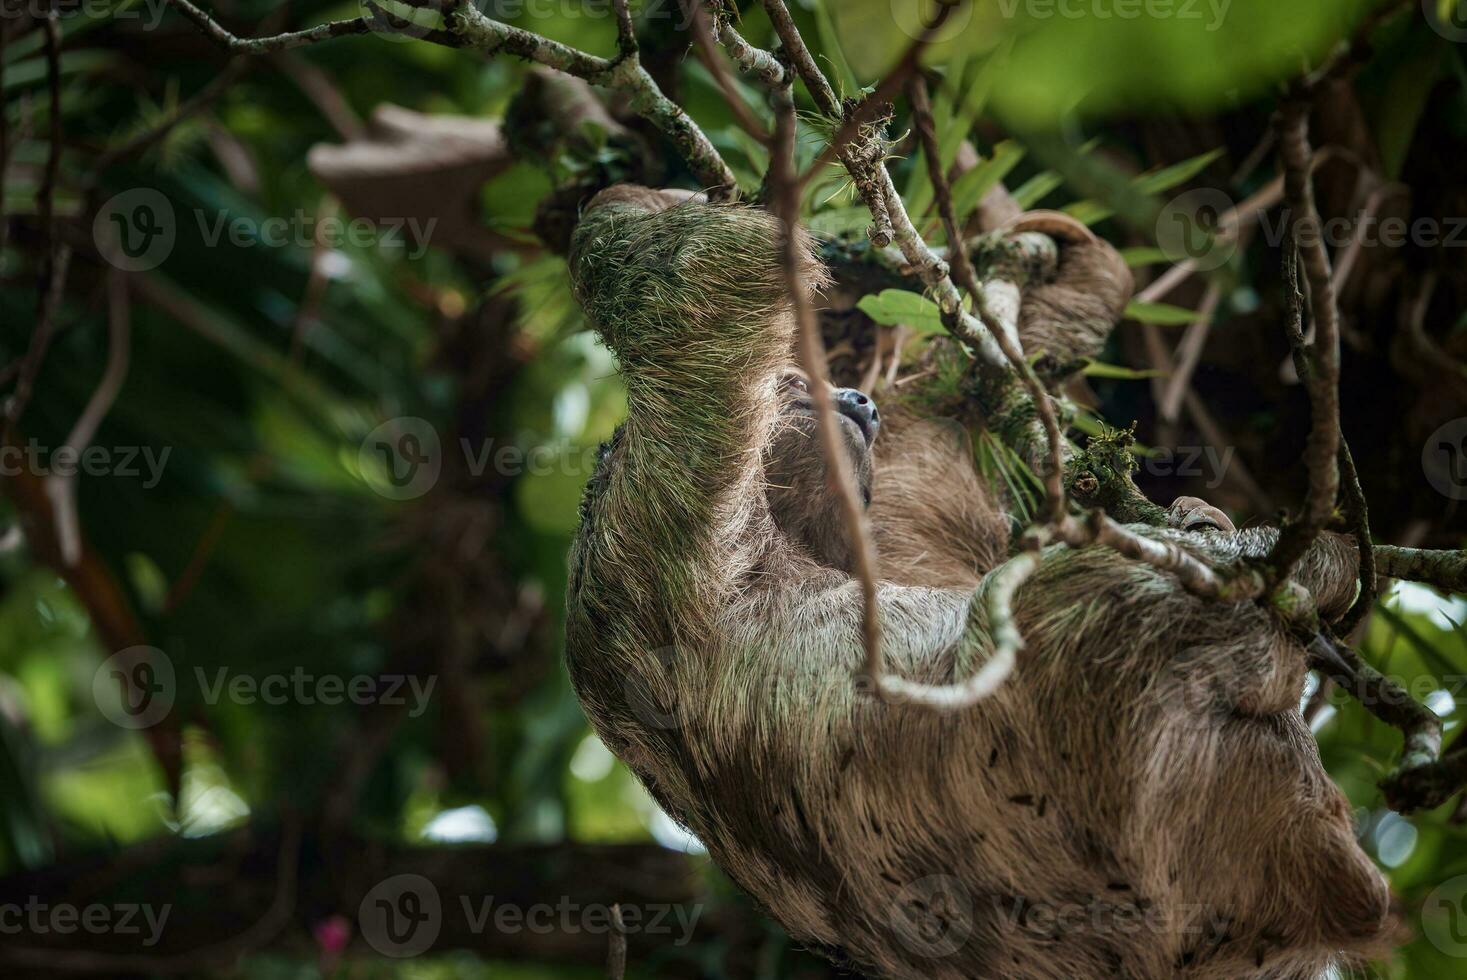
{"x": 1141, "y": 798}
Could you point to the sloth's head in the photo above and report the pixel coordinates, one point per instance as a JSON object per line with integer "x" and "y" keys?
{"x": 794, "y": 468}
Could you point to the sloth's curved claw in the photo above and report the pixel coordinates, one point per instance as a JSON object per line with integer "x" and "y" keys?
{"x": 1056, "y": 224}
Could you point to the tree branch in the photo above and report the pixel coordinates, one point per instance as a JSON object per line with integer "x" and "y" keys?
{"x": 708, "y": 52}
{"x": 276, "y": 42}
{"x": 785, "y": 195}
{"x": 623, "y": 74}
{"x": 751, "y": 60}
{"x": 1447, "y": 570}
{"x": 1323, "y": 447}
{"x": 998, "y": 587}
{"x": 1421, "y": 780}
{"x": 62, "y": 489}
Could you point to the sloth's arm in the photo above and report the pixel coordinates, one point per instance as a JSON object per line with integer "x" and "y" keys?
{"x": 692, "y": 300}
{"x": 1071, "y": 316}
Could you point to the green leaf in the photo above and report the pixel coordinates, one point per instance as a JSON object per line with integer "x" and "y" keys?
{"x": 1090, "y": 59}
{"x": 845, "y": 80}
{"x": 1088, "y": 212}
{"x": 1144, "y": 255}
{"x": 1096, "y": 369}
{"x": 1161, "y": 314}
{"x": 1178, "y": 173}
{"x": 834, "y": 222}
{"x": 893, "y": 306}
{"x": 1434, "y": 659}
{"x": 1037, "y": 188}
{"x": 968, "y": 190}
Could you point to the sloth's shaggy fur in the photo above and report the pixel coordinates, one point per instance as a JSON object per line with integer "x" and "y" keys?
{"x": 1141, "y": 799}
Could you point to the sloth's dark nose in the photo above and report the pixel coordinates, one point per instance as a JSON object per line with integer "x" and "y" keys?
{"x": 860, "y": 409}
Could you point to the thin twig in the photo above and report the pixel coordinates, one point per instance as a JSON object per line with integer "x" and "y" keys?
{"x": 708, "y": 52}
{"x": 794, "y": 48}
{"x": 1421, "y": 780}
{"x": 1357, "y": 510}
{"x": 1356, "y": 507}
{"x": 785, "y": 195}
{"x": 1322, "y": 449}
{"x": 469, "y": 27}
{"x": 616, "y": 952}
{"x": 1196, "y": 576}
{"x": 1189, "y": 354}
{"x": 999, "y": 587}
{"x": 4, "y": 143}
{"x": 62, "y": 489}
{"x": 276, "y": 42}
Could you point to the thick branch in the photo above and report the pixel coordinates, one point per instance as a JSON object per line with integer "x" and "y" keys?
{"x": 1421, "y": 781}
{"x": 751, "y": 60}
{"x": 1196, "y": 576}
{"x": 624, "y": 74}
{"x": 1447, "y": 570}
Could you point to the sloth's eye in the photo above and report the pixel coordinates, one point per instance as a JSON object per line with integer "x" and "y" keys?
{"x": 796, "y": 382}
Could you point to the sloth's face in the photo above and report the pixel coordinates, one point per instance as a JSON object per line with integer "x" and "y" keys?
{"x": 794, "y": 468}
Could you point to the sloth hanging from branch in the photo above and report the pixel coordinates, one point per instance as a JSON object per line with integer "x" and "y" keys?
{"x": 924, "y": 743}
{"x": 930, "y": 733}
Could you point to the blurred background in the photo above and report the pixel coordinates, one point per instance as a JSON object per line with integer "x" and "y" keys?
{"x": 299, "y": 409}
